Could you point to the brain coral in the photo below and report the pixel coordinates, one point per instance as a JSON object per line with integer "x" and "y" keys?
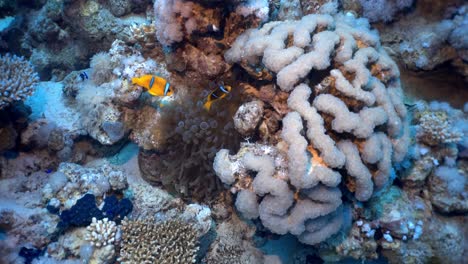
{"x": 346, "y": 120}
{"x": 17, "y": 79}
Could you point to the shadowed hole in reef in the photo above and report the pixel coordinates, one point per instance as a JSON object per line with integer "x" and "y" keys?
{"x": 443, "y": 83}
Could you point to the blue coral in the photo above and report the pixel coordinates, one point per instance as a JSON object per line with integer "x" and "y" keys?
{"x": 82, "y": 213}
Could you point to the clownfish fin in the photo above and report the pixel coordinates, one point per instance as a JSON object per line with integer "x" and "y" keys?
{"x": 135, "y": 80}
{"x": 207, "y": 105}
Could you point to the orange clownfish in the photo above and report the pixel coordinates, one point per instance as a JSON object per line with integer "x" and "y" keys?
{"x": 217, "y": 94}
{"x": 155, "y": 85}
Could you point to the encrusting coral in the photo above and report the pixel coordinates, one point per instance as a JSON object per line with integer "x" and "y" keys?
{"x": 170, "y": 242}
{"x": 356, "y": 124}
{"x": 17, "y": 79}
{"x": 435, "y": 128}
{"x": 71, "y": 181}
{"x": 234, "y": 244}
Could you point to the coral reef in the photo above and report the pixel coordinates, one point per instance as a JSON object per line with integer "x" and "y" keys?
{"x": 72, "y": 27}
{"x": 13, "y": 119}
{"x": 248, "y": 117}
{"x": 23, "y": 220}
{"x": 314, "y": 145}
{"x": 175, "y": 19}
{"x": 435, "y": 129}
{"x": 84, "y": 211}
{"x": 438, "y": 162}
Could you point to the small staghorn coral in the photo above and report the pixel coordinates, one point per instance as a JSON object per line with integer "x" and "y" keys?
{"x": 101, "y": 233}
{"x": 17, "y": 79}
{"x": 170, "y": 242}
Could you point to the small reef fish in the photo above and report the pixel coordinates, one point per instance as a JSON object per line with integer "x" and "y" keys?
{"x": 84, "y": 76}
{"x": 217, "y": 94}
{"x": 155, "y": 85}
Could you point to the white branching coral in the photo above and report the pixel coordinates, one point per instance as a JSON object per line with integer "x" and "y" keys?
{"x": 101, "y": 233}
{"x": 17, "y": 79}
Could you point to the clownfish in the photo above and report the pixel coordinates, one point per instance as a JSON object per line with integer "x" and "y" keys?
{"x": 217, "y": 94}
{"x": 155, "y": 85}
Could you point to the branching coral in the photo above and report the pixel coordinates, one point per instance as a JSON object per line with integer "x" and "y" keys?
{"x": 17, "y": 79}
{"x": 148, "y": 242}
{"x": 101, "y": 232}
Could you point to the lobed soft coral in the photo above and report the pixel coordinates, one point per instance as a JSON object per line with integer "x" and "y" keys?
{"x": 354, "y": 114}
{"x": 312, "y": 214}
{"x": 345, "y": 118}
{"x": 17, "y": 79}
